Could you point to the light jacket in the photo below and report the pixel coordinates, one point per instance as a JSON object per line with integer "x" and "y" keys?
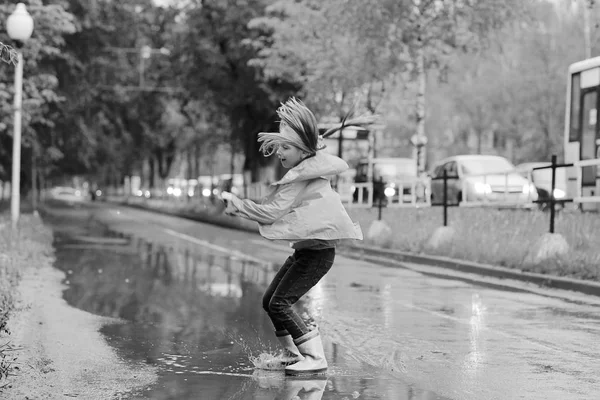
{"x": 303, "y": 205}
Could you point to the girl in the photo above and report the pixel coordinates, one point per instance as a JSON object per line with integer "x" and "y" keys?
{"x": 304, "y": 209}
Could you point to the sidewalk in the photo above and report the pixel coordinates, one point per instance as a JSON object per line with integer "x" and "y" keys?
{"x": 388, "y": 257}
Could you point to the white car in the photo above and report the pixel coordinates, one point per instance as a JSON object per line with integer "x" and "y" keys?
{"x": 481, "y": 179}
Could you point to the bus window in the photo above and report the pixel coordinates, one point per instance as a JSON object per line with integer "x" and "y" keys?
{"x": 575, "y": 129}
{"x": 588, "y": 136}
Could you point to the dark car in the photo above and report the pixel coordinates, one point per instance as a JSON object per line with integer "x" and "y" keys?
{"x": 542, "y": 180}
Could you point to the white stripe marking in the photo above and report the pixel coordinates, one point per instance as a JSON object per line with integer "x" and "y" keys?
{"x": 216, "y": 247}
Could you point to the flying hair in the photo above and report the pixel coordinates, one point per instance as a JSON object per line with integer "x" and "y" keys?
{"x": 294, "y": 115}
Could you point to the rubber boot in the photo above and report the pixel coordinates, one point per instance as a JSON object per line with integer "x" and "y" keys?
{"x": 290, "y": 354}
{"x": 311, "y": 348}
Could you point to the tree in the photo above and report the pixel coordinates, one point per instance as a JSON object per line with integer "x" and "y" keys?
{"x": 119, "y": 125}
{"x": 212, "y": 66}
{"x": 423, "y": 34}
{"x": 515, "y": 88}
{"x": 40, "y": 86}
{"x": 296, "y": 42}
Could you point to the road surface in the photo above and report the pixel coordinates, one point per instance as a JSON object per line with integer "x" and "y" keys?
{"x": 190, "y": 296}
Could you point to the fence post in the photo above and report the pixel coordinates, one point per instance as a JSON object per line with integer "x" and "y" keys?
{"x": 552, "y": 205}
{"x": 381, "y": 194}
{"x": 445, "y": 197}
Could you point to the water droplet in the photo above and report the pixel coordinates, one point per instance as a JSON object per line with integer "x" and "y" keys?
{"x": 67, "y": 282}
{"x": 100, "y": 270}
{"x": 70, "y": 271}
{"x": 127, "y": 280}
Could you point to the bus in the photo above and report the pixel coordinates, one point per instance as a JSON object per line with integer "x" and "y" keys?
{"x": 582, "y": 134}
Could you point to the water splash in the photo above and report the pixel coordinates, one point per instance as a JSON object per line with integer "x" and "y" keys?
{"x": 268, "y": 361}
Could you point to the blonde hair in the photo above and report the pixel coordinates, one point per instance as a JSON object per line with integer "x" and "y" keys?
{"x": 301, "y": 121}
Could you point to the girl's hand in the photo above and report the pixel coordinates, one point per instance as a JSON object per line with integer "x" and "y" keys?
{"x": 229, "y": 207}
{"x": 226, "y": 196}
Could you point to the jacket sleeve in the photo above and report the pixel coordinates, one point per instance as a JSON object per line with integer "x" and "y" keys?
{"x": 271, "y": 211}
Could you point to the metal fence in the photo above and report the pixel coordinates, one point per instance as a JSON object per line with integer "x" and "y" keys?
{"x": 399, "y": 193}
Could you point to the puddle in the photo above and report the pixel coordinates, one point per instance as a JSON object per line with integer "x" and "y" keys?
{"x": 195, "y": 314}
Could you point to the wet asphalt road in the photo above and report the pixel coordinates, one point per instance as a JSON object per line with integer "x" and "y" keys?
{"x": 190, "y": 296}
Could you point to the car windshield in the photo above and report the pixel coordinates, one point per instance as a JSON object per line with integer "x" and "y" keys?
{"x": 480, "y": 166}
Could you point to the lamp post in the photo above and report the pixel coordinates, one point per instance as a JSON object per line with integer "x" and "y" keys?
{"x": 19, "y": 27}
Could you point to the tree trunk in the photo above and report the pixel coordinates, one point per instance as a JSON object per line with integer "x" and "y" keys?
{"x": 232, "y": 159}
{"x": 34, "y": 187}
{"x": 587, "y": 10}
{"x": 189, "y": 170}
{"x": 152, "y": 172}
{"x": 420, "y": 106}
{"x": 196, "y": 160}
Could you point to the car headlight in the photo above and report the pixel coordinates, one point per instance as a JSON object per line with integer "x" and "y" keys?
{"x": 482, "y": 188}
{"x": 559, "y": 194}
{"x": 529, "y": 188}
{"x": 389, "y": 191}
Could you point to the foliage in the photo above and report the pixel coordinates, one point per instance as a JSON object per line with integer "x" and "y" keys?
{"x": 313, "y": 45}
{"x": 213, "y": 67}
{"x": 492, "y": 69}
{"x": 40, "y": 84}
{"x": 513, "y": 90}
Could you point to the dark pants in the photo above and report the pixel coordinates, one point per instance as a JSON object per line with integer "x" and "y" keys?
{"x": 300, "y": 272}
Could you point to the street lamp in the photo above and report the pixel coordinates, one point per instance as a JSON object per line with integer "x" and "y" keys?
{"x": 19, "y": 27}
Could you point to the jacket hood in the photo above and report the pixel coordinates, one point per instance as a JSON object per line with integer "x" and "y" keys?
{"x": 318, "y": 166}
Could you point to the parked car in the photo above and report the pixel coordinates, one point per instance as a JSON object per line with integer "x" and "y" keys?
{"x": 67, "y": 194}
{"x": 481, "y": 178}
{"x": 386, "y": 174}
{"x": 542, "y": 179}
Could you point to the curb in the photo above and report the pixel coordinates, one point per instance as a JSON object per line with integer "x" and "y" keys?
{"x": 358, "y": 251}
{"x": 548, "y": 281}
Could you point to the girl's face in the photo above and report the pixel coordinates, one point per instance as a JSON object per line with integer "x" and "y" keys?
{"x": 289, "y": 155}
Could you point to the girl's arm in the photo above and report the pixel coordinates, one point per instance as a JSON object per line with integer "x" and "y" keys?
{"x": 270, "y": 212}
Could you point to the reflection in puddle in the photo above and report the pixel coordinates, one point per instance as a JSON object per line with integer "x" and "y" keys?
{"x": 196, "y": 314}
